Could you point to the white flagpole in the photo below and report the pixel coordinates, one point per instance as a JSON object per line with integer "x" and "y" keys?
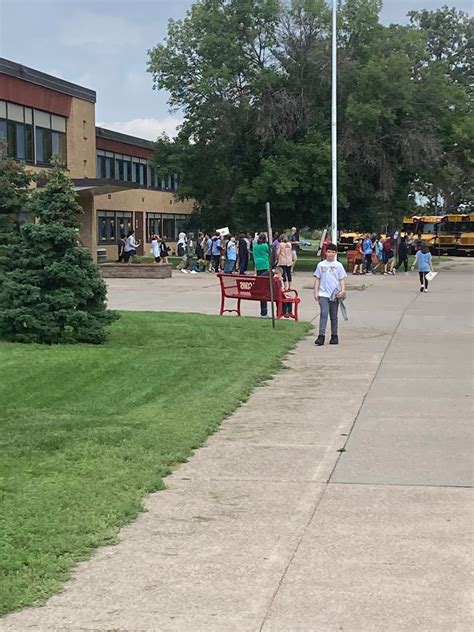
{"x": 334, "y": 124}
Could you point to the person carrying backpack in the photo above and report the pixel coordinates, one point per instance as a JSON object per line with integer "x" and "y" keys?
{"x": 368, "y": 249}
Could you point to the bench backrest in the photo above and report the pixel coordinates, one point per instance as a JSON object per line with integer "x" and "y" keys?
{"x": 253, "y": 288}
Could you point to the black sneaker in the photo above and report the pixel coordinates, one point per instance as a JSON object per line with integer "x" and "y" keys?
{"x": 319, "y": 341}
{"x": 422, "y": 289}
{"x": 334, "y": 340}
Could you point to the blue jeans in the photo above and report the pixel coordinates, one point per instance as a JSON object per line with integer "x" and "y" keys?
{"x": 229, "y": 266}
{"x": 263, "y": 304}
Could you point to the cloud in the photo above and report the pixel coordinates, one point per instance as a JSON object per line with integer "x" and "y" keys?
{"x": 149, "y": 128}
{"x": 100, "y": 32}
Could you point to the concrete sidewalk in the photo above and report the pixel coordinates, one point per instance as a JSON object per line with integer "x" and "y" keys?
{"x": 337, "y": 498}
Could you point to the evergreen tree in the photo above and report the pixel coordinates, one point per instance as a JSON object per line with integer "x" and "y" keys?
{"x": 14, "y": 195}
{"x": 54, "y": 293}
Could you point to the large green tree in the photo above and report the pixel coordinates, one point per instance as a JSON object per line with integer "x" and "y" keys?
{"x": 252, "y": 78}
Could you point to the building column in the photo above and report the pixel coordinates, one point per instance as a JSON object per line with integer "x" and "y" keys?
{"x": 88, "y": 229}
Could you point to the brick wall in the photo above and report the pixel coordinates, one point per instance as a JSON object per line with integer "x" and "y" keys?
{"x": 135, "y": 271}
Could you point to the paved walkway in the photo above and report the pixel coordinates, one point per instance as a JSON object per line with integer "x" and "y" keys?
{"x": 336, "y": 498}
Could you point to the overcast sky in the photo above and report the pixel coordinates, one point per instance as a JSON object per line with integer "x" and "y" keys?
{"x": 102, "y": 44}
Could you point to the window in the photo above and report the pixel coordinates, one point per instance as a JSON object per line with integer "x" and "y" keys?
{"x": 153, "y": 225}
{"x": 111, "y": 224}
{"x": 32, "y": 136}
{"x": 18, "y": 140}
{"x": 132, "y": 169}
{"x": 105, "y": 167}
{"x": 49, "y": 144}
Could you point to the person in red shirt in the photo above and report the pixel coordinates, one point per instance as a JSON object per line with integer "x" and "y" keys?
{"x": 325, "y": 245}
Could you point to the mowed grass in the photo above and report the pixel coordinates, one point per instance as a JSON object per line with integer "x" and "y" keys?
{"x": 87, "y": 431}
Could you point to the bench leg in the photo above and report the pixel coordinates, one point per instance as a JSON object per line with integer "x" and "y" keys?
{"x": 222, "y": 305}
{"x": 238, "y": 307}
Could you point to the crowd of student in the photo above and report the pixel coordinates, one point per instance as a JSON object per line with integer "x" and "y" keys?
{"x": 234, "y": 254}
{"x": 375, "y": 252}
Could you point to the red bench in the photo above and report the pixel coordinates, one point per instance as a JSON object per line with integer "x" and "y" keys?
{"x": 246, "y": 287}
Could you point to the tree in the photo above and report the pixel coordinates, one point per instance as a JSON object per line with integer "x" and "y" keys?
{"x": 54, "y": 293}
{"x": 253, "y": 81}
{"x": 14, "y": 195}
{"x": 448, "y": 181}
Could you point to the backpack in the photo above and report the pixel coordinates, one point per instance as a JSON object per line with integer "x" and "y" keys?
{"x": 387, "y": 245}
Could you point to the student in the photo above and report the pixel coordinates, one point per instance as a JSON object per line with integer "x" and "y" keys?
{"x": 187, "y": 258}
{"x": 424, "y": 261}
{"x": 121, "y": 246}
{"x": 231, "y": 256}
{"x": 130, "y": 248}
{"x": 295, "y": 245}
{"x": 359, "y": 260}
{"x": 388, "y": 256}
{"x": 329, "y": 277}
{"x": 224, "y": 242}
{"x": 261, "y": 257}
{"x": 324, "y": 247}
{"x": 181, "y": 245}
{"x": 403, "y": 254}
{"x": 216, "y": 252}
{"x": 164, "y": 250}
{"x": 378, "y": 253}
{"x": 284, "y": 257}
{"x": 275, "y": 244}
{"x": 368, "y": 250}
{"x": 243, "y": 253}
{"x": 156, "y": 248}
{"x": 206, "y": 249}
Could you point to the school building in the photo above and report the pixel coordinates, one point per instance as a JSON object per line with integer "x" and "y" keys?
{"x": 42, "y": 116}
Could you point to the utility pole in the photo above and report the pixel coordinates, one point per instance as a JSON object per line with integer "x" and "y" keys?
{"x": 270, "y": 266}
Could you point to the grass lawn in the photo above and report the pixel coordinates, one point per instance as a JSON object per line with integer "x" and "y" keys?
{"x": 86, "y": 431}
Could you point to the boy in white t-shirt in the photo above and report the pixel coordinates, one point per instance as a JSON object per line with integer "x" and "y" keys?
{"x": 329, "y": 283}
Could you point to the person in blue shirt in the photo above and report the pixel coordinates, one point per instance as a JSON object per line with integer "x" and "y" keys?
{"x": 230, "y": 255}
{"x": 424, "y": 261}
{"x": 368, "y": 249}
{"x": 216, "y": 249}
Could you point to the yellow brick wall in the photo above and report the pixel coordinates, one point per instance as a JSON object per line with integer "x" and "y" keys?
{"x": 81, "y": 153}
{"x": 145, "y": 200}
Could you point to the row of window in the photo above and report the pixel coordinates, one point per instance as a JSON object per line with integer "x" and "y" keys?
{"x": 131, "y": 169}
{"x": 112, "y": 224}
{"x": 32, "y": 136}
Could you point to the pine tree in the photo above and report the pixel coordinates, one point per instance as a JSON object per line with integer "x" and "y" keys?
{"x": 54, "y": 293}
{"x": 14, "y": 195}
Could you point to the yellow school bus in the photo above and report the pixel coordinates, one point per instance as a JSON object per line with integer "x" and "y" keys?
{"x": 347, "y": 239}
{"x": 456, "y": 234}
{"x": 424, "y": 227}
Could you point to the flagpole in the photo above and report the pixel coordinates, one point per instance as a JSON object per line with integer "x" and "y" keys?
{"x": 334, "y": 124}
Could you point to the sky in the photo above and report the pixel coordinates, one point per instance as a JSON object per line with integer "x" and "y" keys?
{"x": 103, "y": 44}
